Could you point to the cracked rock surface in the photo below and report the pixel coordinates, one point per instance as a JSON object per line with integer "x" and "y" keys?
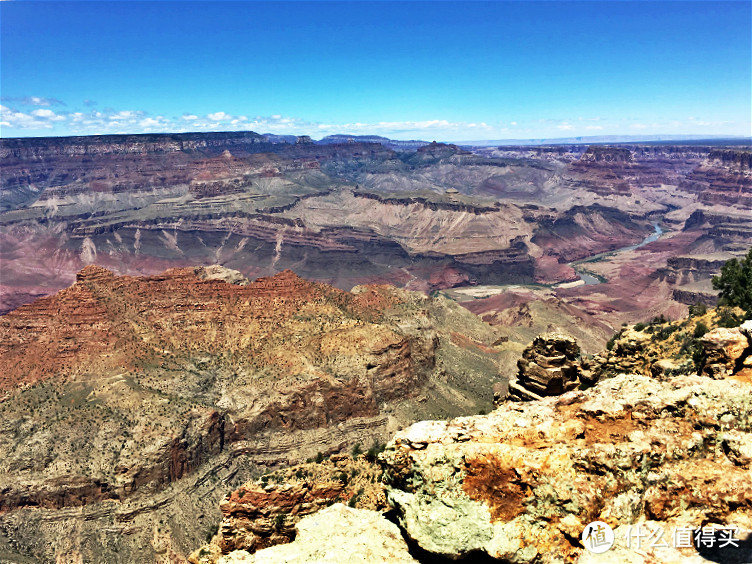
{"x": 521, "y": 483}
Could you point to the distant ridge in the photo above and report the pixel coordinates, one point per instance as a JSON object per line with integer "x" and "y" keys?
{"x": 394, "y": 144}
{"x": 385, "y": 141}
{"x": 612, "y": 139}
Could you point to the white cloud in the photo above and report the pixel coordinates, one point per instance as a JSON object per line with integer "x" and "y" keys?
{"x": 40, "y": 101}
{"x": 12, "y": 119}
{"x": 48, "y": 114}
{"x": 40, "y": 116}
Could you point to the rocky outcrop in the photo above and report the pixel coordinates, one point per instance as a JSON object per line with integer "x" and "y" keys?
{"x": 337, "y": 534}
{"x": 728, "y": 352}
{"x": 662, "y": 348}
{"x": 217, "y": 272}
{"x": 265, "y": 512}
{"x": 522, "y": 483}
{"x": 550, "y": 366}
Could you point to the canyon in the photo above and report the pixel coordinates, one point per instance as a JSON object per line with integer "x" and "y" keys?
{"x": 648, "y": 446}
{"x": 130, "y": 404}
{"x": 350, "y": 210}
{"x": 186, "y": 319}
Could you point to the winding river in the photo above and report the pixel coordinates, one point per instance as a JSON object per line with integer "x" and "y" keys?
{"x": 589, "y": 278}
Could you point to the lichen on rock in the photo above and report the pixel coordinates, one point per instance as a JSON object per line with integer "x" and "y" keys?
{"x": 521, "y": 483}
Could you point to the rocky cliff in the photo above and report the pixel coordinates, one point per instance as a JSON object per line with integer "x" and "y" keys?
{"x": 725, "y": 178}
{"x": 123, "y": 391}
{"x": 521, "y": 483}
{"x": 662, "y": 459}
{"x": 640, "y": 453}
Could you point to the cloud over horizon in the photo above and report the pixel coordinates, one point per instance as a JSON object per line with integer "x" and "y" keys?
{"x": 41, "y": 118}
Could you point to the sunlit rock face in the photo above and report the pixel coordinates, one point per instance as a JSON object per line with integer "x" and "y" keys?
{"x": 724, "y": 178}
{"x": 521, "y": 483}
{"x": 336, "y": 534}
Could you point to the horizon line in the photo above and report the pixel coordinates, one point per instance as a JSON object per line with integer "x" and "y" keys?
{"x": 573, "y": 140}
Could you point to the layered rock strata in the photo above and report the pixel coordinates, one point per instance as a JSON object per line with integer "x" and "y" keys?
{"x": 120, "y": 390}
{"x": 550, "y": 366}
{"x": 724, "y": 178}
{"x": 265, "y": 512}
{"x": 427, "y": 219}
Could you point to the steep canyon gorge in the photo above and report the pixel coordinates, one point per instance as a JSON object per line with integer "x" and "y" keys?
{"x": 182, "y": 313}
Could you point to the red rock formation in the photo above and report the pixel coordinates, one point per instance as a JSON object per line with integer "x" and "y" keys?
{"x": 76, "y": 326}
{"x": 264, "y": 513}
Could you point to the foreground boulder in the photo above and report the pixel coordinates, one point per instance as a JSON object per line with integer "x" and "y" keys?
{"x": 265, "y": 512}
{"x": 336, "y": 534}
{"x": 727, "y": 351}
{"x": 522, "y": 483}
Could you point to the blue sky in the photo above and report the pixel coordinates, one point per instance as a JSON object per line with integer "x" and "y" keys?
{"x": 428, "y": 70}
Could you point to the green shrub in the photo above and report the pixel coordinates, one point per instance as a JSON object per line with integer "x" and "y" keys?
{"x": 700, "y": 330}
{"x": 212, "y": 531}
{"x": 375, "y": 450}
{"x": 354, "y": 499}
{"x": 612, "y": 341}
{"x": 725, "y": 317}
{"x": 640, "y": 327}
{"x": 735, "y": 283}
{"x": 663, "y": 333}
{"x": 698, "y": 309}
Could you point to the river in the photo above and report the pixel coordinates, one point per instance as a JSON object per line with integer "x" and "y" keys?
{"x": 590, "y": 278}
